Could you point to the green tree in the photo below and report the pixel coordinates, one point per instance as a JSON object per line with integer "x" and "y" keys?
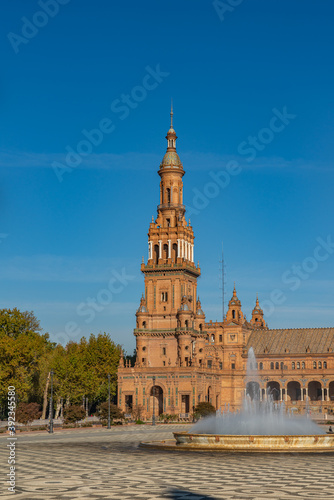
{"x": 22, "y": 347}
{"x": 204, "y": 409}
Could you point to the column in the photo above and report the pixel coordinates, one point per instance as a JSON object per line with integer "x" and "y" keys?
{"x": 182, "y": 249}
{"x": 178, "y": 248}
{"x": 286, "y": 395}
{"x": 150, "y": 247}
{"x": 192, "y": 253}
{"x": 260, "y": 394}
{"x": 322, "y": 394}
{"x": 160, "y": 249}
{"x": 169, "y": 249}
{"x": 306, "y": 393}
{"x": 281, "y": 394}
{"x": 302, "y": 394}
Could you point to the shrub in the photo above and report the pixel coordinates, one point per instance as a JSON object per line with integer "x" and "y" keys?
{"x": 27, "y": 412}
{"x": 73, "y": 413}
{"x": 165, "y": 417}
{"x": 139, "y": 421}
{"x": 204, "y": 409}
{"x": 115, "y": 412}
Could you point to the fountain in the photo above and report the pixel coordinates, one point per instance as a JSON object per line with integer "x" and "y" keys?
{"x": 260, "y": 426}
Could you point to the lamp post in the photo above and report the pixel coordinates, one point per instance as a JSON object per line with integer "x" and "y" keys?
{"x": 51, "y": 405}
{"x": 109, "y": 401}
{"x": 153, "y": 391}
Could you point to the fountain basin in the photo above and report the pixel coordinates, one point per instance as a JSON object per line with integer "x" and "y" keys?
{"x": 249, "y": 443}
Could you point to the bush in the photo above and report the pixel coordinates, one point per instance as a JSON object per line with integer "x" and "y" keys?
{"x": 27, "y": 412}
{"x": 165, "y": 417}
{"x": 115, "y": 412}
{"x": 139, "y": 421}
{"x": 204, "y": 409}
{"x": 73, "y": 413}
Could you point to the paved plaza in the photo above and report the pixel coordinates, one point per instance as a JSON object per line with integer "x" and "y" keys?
{"x": 108, "y": 464}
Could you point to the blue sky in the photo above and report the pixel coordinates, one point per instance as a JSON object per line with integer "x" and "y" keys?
{"x": 65, "y": 245}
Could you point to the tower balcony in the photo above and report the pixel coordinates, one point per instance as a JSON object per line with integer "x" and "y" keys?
{"x": 172, "y": 206}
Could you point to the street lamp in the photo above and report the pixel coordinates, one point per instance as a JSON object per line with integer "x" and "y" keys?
{"x": 109, "y": 401}
{"x": 51, "y": 405}
{"x": 153, "y": 391}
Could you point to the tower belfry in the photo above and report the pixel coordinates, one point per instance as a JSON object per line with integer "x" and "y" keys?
{"x": 168, "y": 310}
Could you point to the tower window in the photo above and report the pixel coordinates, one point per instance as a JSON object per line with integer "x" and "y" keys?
{"x": 220, "y": 338}
{"x": 315, "y": 365}
{"x": 164, "y": 296}
{"x": 325, "y": 364}
{"x": 233, "y": 366}
{"x": 271, "y": 366}
{"x": 293, "y": 365}
{"x": 233, "y": 314}
{"x": 200, "y": 326}
{"x": 144, "y": 324}
{"x": 209, "y": 363}
{"x": 277, "y": 365}
{"x": 298, "y": 365}
{"x": 164, "y": 351}
{"x": 168, "y": 195}
{"x": 319, "y": 364}
{"x": 303, "y": 365}
{"x": 168, "y": 222}
{"x": 212, "y": 338}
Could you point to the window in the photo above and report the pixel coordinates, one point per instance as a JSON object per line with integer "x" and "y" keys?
{"x": 220, "y": 338}
{"x": 212, "y": 338}
{"x": 200, "y": 326}
{"x": 282, "y": 365}
{"x": 261, "y": 366}
{"x": 233, "y": 314}
{"x": 164, "y": 296}
{"x": 220, "y": 366}
{"x": 233, "y": 366}
{"x": 325, "y": 364}
{"x": 168, "y": 195}
{"x": 277, "y": 365}
{"x": 314, "y": 365}
{"x": 186, "y": 323}
{"x": 293, "y": 365}
{"x": 164, "y": 363}
{"x": 143, "y": 360}
{"x": 303, "y": 365}
{"x": 298, "y": 365}
{"x": 144, "y": 324}
{"x": 271, "y": 366}
{"x": 168, "y": 222}
{"x": 209, "y": 363}
{"x": 164, "y": 351}
{"x": 144, "y": 348}
{"x": 319, "y": 365}
{"x": 200, "y": 362}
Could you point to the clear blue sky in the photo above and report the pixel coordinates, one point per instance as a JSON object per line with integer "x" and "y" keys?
{"x": 62, "y": 242}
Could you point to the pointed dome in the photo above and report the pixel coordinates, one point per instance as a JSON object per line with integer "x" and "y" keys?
{"x": 257, "y": 315}
{"x": 234, "y": 299}
{"x": 171, "y": 158}
{"x": 142, "y": 307}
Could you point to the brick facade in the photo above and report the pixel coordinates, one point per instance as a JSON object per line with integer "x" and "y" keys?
{"x": 193, "y": 360}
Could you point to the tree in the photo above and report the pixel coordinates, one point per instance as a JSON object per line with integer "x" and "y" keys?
{"x": 74, "y": 413}
{"x": 204, "y": 409}
{"x": 22, "y": 349}
{"x": 27, "y": 412}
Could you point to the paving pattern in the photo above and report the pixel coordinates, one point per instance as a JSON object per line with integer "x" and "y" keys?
{"x": 101, "y": 464}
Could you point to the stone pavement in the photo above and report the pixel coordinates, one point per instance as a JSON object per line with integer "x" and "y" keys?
{"x": 101, "y": 464}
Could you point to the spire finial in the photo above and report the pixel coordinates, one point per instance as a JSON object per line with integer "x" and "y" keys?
{"x": 171, "y": 114}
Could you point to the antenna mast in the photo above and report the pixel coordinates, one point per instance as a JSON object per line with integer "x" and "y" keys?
{"x": 222, "y": 279}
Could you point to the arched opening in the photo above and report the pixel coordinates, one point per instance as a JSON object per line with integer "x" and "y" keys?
{"x": 210, "y": 394}
{"x": 168, "y": 195}
{"x": 156, "y": 254}
{"x": 144, "y": 324}
{"x": 271, "y": 365}
{"x": 261, "y": 366}
{"x": 200, "y": 326}
{"x": 157, "y": 395}
{"x": 273, "y": 389}
{"x": 253, "y": 390}
{"x": 294, "y": 392}
{"x": 314, "y": 391}
{"x": 174, "y": 252}
{"x": 165, "y": 252}
{"x": 233, "y": 313}
{"x": 331, "y": 391}
{"x": 277, "y": 365}
{"x": 212, "y": 338}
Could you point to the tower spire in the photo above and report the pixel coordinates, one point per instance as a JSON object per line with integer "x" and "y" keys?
{"x": 171, "y": 114}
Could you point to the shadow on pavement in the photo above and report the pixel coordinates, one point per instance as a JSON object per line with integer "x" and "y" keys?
{"x": 187, "y": 495}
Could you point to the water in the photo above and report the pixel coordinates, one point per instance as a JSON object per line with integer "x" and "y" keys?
{"x": 257, "y": 417}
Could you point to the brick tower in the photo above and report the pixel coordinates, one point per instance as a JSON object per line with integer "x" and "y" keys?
{"x": 169, "y": 320}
